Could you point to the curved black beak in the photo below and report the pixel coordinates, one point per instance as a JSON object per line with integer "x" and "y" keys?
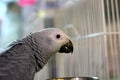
{"x": 67, "y": 48}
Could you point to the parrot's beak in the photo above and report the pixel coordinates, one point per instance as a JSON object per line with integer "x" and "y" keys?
{"x": 67, "y": 48}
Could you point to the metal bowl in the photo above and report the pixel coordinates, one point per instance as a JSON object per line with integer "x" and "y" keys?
{"x": 75, "y": 78}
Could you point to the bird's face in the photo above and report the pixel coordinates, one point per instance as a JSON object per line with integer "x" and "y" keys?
{"x": 64, "y": 44}
{"x": 57, "y": 41}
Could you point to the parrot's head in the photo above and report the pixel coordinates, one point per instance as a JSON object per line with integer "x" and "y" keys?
{"x": 47, "y": 42}
{"x": 54, "y": 40}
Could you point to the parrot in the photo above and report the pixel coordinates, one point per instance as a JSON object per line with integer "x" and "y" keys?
{"x": 27, "y": 56}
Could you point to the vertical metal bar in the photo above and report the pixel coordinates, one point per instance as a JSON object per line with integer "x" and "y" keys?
{"x": 82, "y": 47}
{"x": 105, "y": 40}
{"x": 87, "y": 32}
{"x": 118, "y": 28}
{"x": 85, "y": 45}
{"x": 92, "y": 67}
{"x": 115, "y": 39}
{"x": 117, "y": 15}
{"x": 90, "y": 28}
{"x": 96, "y": 30}
{"x": 110, "y": 36}
{"x": 77, "y": 54}
{"x": 101, "y": 52}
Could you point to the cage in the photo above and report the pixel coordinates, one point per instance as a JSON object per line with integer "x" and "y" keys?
{"x": 93, "y": 26}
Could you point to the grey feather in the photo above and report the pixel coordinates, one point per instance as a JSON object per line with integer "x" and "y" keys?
{"x": 20, "y": 62}
{"x": 27, "y": 56}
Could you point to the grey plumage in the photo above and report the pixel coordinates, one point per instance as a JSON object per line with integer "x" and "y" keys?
{"x": 27, "y": 56}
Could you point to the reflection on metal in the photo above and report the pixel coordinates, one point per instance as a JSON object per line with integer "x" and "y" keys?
{"x": 75, "y": 78}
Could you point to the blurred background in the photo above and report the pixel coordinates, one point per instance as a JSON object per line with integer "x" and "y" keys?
{"x": 93, "y": 26}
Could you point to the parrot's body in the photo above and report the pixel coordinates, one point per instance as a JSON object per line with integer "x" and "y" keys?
{"x": 26, "y": 57}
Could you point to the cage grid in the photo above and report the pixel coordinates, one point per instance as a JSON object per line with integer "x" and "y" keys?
{"x": 94, "y": 28}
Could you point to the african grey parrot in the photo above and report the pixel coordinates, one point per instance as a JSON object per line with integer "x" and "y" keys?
{"x": 27, "y": 56}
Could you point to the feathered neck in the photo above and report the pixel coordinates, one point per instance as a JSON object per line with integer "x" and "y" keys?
{"x": 40, "y": 61}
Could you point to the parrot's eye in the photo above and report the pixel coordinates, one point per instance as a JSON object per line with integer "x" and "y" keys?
{"x": 58, "y": 36}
